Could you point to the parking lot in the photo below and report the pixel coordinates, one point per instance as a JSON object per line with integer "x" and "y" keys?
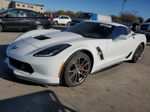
{"x": 122, "y": 88}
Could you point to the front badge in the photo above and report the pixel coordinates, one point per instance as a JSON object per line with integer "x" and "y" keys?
{"x": 15, "y": 47}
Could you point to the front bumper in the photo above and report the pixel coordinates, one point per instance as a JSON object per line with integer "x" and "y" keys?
{"x": 40, "y": 74}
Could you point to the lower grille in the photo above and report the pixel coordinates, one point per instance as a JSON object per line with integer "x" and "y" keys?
{"x": 21, "y": 65}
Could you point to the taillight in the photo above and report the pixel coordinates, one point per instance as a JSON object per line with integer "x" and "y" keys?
{"x": 49, "y": 20}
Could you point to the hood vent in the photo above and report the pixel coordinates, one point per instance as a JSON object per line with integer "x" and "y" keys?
{"x": 41, "y": 37}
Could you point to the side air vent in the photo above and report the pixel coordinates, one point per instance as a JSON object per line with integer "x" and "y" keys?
{"x": 129, "y": 55}
{"x": 100, "y": 53}
{"x": 41, "y": 37}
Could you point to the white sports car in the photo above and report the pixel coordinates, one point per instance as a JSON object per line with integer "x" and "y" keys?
{"x": 56, "y": 57}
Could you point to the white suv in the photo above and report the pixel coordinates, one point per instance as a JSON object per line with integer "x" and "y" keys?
{"x": 62, "y": 19}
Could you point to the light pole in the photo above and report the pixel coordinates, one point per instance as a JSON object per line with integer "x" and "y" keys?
{"x": 123, "y": 6}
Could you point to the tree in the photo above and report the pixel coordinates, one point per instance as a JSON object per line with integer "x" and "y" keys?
{"x": 128, "y": 17}
{"x": 62, "y": 12}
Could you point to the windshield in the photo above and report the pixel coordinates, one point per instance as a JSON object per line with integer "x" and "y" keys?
{"x": 147, "y": 20}
{"x": 2, "y": 11}
{"x": 91, "y": 30}
{"x": 85, "y": 16}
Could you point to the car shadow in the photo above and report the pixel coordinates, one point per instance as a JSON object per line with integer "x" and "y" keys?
{"x": 43, "y": 101}
{"x": 6, "y": 73}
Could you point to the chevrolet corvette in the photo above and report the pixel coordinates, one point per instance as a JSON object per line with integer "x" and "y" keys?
{"x": 69, "y": 56}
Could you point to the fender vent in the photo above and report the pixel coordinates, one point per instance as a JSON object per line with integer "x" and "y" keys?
{"x": 129, "y": 55}
{"x": 41, "y": 37}
{"x": 100, "y": 53}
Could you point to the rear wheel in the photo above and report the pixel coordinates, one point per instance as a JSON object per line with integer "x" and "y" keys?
{"x": 1, "y": 28}
{"x": 68, "y": 24}
{"x": 138, "y": 53}
{"x": 77, "y": 69}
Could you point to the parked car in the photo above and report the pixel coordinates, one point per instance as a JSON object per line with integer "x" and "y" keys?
{"x": 55, "y": 57}
{"x": 22, "y": 19}
{"x": 91, "y": 16}
{"x": 62, "y": 19}
{"x": 144, "y": 28}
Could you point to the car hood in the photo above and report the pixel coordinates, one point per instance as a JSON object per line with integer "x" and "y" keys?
{"x": 53, "y": 39}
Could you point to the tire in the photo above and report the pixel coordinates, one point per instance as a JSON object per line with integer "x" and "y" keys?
{"x": 68, "y": 24}
{"x": 138, "y": 53}
{"x": 1, "y": 28}
{"x": 39, "y": 27}
{"x": 55, "y": 22}
{"x": 76, "y": 69}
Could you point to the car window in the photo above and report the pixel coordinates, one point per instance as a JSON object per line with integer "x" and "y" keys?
{"x": 3, "y": 15}
{"x": 31, "y": 14}
{"x": 118, "y": 31}
{"x": 91, "y": 30}
{"x": 4, "y": 11}
{"x": 22, "y": 13}
{"x": 62, "y": 17}
{"x": 39, "y": 14}
{"x": 66, "y": 17}
{"x": 14, "y": 13}
{"x": 128, "y": 30}
{"x": 85, "y": 16}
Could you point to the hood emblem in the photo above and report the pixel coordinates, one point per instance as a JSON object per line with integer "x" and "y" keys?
{"x": 15, "y": 47}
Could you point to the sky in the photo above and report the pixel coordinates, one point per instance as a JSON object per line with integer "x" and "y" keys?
{"x": 107, "y": 7}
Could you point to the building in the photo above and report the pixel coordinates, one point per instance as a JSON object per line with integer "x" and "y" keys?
{"x": 5, "y": 4}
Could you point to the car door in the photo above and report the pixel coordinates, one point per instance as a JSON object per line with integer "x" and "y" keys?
{"x": 29, "y": 22}
{"x": 119, "y": 45}
{"x": 61, "y": 20}
{"x": 66, "y": 20}
{"x": 11, "y": 19}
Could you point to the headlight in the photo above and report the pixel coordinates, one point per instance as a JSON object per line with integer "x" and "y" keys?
{"x": 52, "y": 51}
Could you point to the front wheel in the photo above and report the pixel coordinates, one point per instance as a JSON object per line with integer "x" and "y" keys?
{"x": 55, "y": 22}
{"x": 77, "y": 69}
{"x": 138, "y": 54}
{"x": 40, "y": 27}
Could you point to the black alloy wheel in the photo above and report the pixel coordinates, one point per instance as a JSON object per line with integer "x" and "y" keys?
{"x": 77, "y": 69}
{"x": 138, "y": 53}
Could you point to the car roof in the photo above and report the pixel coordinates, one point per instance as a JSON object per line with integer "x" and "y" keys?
{"x": 17, "y": 9}
{"x": 110, "y": 23}
{"x": 64, "y": 15}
